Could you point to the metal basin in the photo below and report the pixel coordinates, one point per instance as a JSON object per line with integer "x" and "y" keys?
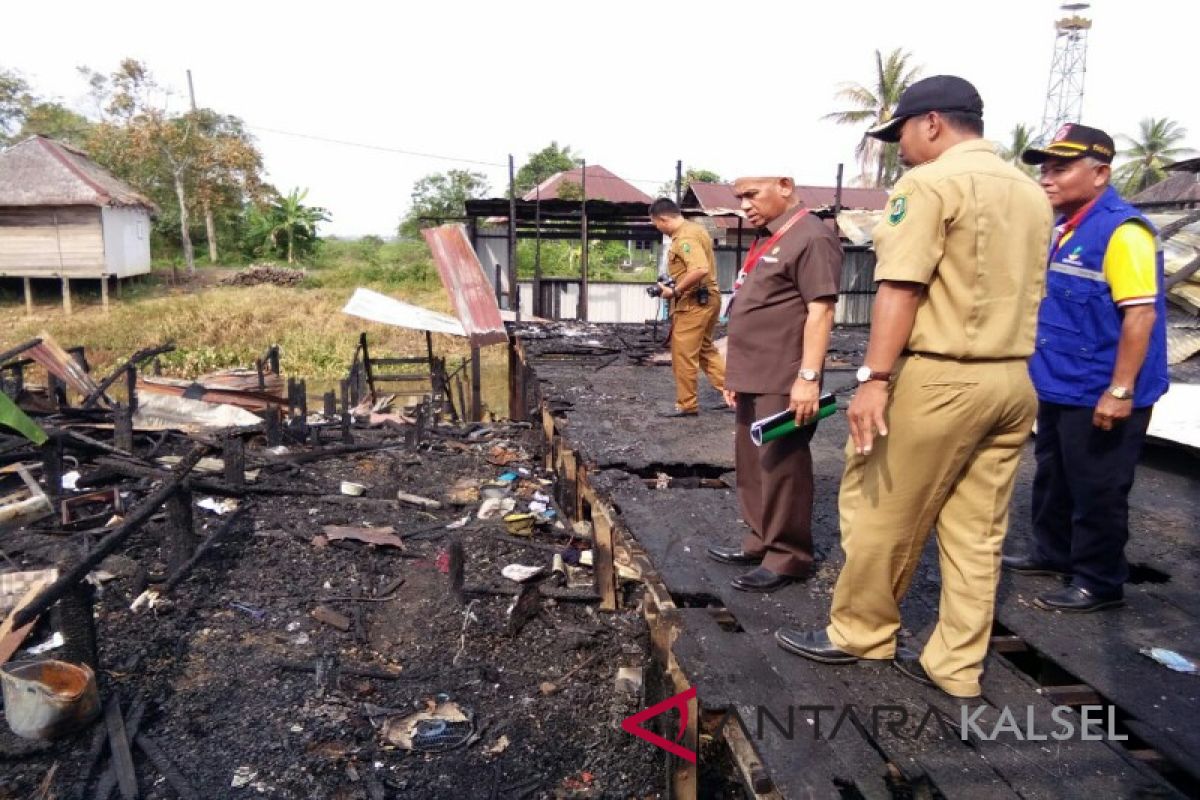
{"x": 48, "y": 699}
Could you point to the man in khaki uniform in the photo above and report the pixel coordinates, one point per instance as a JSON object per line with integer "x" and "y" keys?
{"x": 944, "y": 403}
{"x": 696, "y": 305}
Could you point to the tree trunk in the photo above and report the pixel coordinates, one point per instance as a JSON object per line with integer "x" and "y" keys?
{"x": 211, "y": 230}
{"x": 291, "y": 246}
{"x": 188, "y": 256}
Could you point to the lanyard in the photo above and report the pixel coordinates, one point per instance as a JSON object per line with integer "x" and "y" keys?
{"x": 757, "y": 250}
{"x": 1070, "y": 225}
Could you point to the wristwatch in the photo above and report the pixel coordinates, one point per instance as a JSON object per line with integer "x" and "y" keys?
{"x": 865, "y": 374}
{"x": 808, "y": 375}
{"x": 1120, "y": 392}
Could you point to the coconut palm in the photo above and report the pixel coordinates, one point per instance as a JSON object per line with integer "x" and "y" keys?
{"x": 872, "y": 105}
{"x": 1020, "y": 139}
{"x": 1148, "y": 155}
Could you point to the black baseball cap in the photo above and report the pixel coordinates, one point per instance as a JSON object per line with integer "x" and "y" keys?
{"x": 938, "y": 93}
{"x": 1071, "y": 142}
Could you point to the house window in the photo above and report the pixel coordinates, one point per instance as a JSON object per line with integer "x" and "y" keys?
{"x": 643, "y": 245}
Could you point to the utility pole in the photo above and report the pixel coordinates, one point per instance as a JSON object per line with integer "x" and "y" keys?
{"x": 210, "y": 229}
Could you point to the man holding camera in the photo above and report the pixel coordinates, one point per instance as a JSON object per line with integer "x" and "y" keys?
{"x": 696, "y": 304}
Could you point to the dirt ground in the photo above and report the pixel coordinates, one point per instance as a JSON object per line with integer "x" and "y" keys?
{"x": 237, "y": 724}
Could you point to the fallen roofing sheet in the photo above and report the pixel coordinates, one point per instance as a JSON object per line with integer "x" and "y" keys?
{"x": 471, "y": 294}
{"x": 390, "y": 311}
{"x": 164, "y": 412}
{"x": 197, "y": 390}
{"x": 62, "y": 365}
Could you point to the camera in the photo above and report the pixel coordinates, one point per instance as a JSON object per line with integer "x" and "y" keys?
{"x": 656, "y": 289}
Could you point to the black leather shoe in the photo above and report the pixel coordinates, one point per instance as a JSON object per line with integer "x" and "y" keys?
{"x": 1076, "y": 599}
{"x": 1028, "y": 565}
{"x": 813, "y": 645}
{"x": 719, "y": 407}
{"x": 733, "y": 555}
{"x": 908, "y": 662}
{"x": 678, "y": 412}
{"x": 761, "y": 580}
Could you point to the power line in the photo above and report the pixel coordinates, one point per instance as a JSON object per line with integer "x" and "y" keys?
{"x": 436, "y": 156}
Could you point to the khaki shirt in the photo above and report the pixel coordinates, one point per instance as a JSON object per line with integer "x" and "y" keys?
{"x": 692, "y": 249}
{"x": 975, "y": 230}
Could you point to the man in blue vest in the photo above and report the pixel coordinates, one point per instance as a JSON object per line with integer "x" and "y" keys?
{"x": 1099, "y": 366}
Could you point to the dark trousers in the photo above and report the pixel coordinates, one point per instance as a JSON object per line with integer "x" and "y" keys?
{"x": 1081, "y": 494}
{"x": 775, "y": 488}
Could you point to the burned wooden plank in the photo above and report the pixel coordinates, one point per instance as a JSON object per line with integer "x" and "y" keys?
{"x": 166, "y": 767}
{"x": 352, "y": 671}
{"x": 13, "y": 352}
{"x": 331, "y": 617}
{"x": 213, "y": 539}
{"x": 122, "y": 756}
{"x": 133, "y": 361}
{"x": 181, "y": 536}
{"x": 133, "y": 521}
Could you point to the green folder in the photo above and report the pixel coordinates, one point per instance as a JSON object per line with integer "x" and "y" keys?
{"x": 773, "y": 427}
{"x": 12, "y": 416}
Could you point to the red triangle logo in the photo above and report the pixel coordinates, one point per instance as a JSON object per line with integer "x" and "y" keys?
{"x": 633, "y": 724}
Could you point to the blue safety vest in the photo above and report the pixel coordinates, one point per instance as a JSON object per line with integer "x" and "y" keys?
{"x": 1079, "y": 325}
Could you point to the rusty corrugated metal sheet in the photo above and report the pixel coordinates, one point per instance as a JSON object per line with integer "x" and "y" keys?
{"x": 471, "y": 295}
{"x": 61, "y": 364}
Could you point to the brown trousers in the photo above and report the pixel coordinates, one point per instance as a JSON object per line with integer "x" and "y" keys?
{"x": 692, "y": 350}
{"x": 955, "y": 432}
{"x": 775, "y": 488}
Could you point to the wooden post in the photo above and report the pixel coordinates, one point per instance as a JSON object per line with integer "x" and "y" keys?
{"x": 66, "y": 292}
{"x": 330, "y": 404}
{"x": 476, "y": 389}
{"x": 74, "y": 616}
{"x": 346, "y": 436}
{"x": 28, "y": 297}
{"x": 181, "y": 532}
{"x": 582, "y": 307}
{"x": 123, "y": 427}
{"x": 274, "y": 434}
{"x": 234, "y": 455}
{"x": 52, "y": 468}
{"x": 104, "y": 292}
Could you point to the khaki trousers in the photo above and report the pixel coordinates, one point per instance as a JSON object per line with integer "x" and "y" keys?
{"x": 955, "y": 435}
{"x": 692, "y": 349}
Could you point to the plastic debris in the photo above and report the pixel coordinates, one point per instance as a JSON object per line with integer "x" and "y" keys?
{"x": 498, "y": 747}
{"x": 443, "y": 725}
{"x": 52, "y": 643}
{"x": 519, "y": 524}
{"x": 494, "y": 507}
{"x": 459, "y": 523}
{"x": 226, "y": 506}
{"x": 242, "y": 776}
{"x": 1172, "y": 660}
{"x": 257, "y": 613}
{"x": 352, "y": 489}
{"x": 522, "y": 572}
{"x": 70, "y": 479}
{"x": 507, "y": 477}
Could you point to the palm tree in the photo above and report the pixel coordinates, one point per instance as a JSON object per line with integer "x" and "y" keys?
{"x": 872, "y": 105}
{"x": 1150, "y": 153}
{"x": 1021, "y": 139}
{"x": 290, "y": 215}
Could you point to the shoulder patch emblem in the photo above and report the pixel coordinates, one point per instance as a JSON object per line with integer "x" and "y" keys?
{"x": 897, "y": 209}
{"x": 687, "y": 248}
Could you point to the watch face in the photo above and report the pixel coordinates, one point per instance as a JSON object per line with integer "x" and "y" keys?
{"x": 863, "y": 374}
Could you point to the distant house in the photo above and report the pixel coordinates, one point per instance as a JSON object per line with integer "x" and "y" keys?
{"x": 1179, "y": 190}
{"x": 63, "y": 216}
{"x": 718, "y": 201}
{"x": 601, "y": 185}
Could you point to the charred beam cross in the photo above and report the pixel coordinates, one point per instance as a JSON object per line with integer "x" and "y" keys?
{"x": 136, "y": 518}
{"x": 134, "y": 361}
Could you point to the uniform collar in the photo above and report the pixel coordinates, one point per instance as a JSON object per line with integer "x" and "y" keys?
{"x": 979, "y": 145}
{"x": 774, "y": 225}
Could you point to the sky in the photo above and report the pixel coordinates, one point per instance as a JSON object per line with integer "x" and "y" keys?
{"x": 632, "y": 86}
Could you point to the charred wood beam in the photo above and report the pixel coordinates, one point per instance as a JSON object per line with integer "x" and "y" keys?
{"x": 354, "y": 672}
{"x": 166, "y": 767}
{"x": 134, "y": 360}
{"x": 12, "y": 352}
{"x": 182, "y": 571}
{"x": 135, "y": 519}
{"x": 120, "y": 733}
